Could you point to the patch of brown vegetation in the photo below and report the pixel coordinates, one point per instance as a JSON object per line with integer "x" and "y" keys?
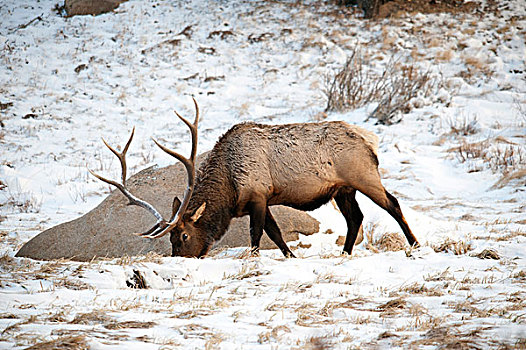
{"x": 75, "y": 342}
{"x": 488, "y": 254}
{"x": 193, "y": 313}
{"x": 392, "y": 307}
{"x": 451, "y": 246}
{"x": 387, "y": 242}
{"x": 399, "y": 8}
{"x": 129, "y": 324}
{"x": 421, "y": 289}
{"x": 91, "y": 318}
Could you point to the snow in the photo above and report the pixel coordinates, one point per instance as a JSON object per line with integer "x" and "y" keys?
{"x": 75, "y": 80}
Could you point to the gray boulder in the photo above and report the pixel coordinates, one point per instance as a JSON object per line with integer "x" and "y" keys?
{"x": 106, "y": 231}
{"x": 90, "y": 7}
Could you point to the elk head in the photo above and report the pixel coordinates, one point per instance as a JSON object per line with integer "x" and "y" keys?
{"x": 186, "y": 238}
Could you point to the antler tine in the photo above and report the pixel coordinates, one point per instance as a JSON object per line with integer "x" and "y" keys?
{"x": 122, "y": 155}
{"x": 189, "y": 164}
{"x": 122, "y": 186}
{"x": 193, "y": 129}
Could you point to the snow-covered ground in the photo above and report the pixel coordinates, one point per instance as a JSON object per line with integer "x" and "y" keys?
{"x": 65, "y": 82}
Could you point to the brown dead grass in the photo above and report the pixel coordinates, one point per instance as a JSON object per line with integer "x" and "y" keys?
{"x": 129, "y": 324}
{"x": 421, "y": 289}
{"x": 387, "y": 242}
{"x": 444, "y": 55}
{"x": 189, "y": 314}
{"x": 63, "y": 343}
{"x": 488, "y": 254}
{"x": 318, "y": 343}
{"x": 450, "y": 338}
{"x": 393, "y": 307}
{"x": 276, "y": 334}
{"x": 451, "y": 246}
{"x": 91, "y": 318}
{"x": 403, "y": 8}
{"x": 517, "y": 177}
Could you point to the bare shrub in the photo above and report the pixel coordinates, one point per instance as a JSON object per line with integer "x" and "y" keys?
{"x": 464, "y": 126}
{"x": 356, "y": 85}
{"x": 353, "y": 86}
{"x": 497, "y": 154}
{"x": 23, "y": 202}
{"x": 405, "y": 83}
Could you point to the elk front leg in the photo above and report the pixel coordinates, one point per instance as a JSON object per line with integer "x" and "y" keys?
{"x": 346, "y": 201}
{"x": 274, "y": 233}
{"x": 256, "y": 211}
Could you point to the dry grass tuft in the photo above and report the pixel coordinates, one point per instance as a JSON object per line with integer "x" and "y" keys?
{"x": 391, "y": 242}
{"x": 387, "y": 242}
{"x": 8, "y": 316}
{"x": 318, "y": 343}
{"x": 520, "y": 276}
{"x": 193, "y": 313}
{"x": 418, "y": 288}
{"x": 247, "y": 271}
{"x": 440, "y": 276}
{"x": 488, "y": 254}
{"x": 71, "y": 284}
{"x": 150, "y": 257}
{"x": 517, "y": 177}
{"x": 214, "y": 340}
{"x": 129, "y": 324}
{"x": 64, "y": 343}
{"x": 444, "y": 55}
{"x": 393, "y": 307}
{"x": 276, "y": 334}
{"x": 464, "y": 126}
{"x": 7, "y": 263}
{"x": 91, "y": 318}
{"x": 451, "y": 246}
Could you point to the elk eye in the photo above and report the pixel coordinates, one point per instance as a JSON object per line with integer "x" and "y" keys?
{"x": 185, "y": 237}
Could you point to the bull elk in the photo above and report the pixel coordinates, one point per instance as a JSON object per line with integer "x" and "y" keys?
{"x": 254, "y": 166}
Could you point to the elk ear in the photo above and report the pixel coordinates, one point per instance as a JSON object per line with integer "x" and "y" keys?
{"x": 175, "y": 206}
{"x": 199, "y": 212}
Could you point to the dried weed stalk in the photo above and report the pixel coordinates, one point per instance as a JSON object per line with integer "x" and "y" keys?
{"x": 464, "y": 126}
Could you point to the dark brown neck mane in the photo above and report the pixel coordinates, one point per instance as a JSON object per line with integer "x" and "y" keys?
{"x": 214, "y": 187}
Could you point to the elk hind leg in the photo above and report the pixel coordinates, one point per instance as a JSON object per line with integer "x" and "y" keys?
{"x": 377, "y": 193}
{"x": 346, "y": 201}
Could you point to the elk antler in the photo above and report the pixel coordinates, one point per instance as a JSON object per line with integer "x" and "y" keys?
{"x": 162, "y": 227}
{"x": 189, "y": 164}
{"x": 122, "y": 186}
